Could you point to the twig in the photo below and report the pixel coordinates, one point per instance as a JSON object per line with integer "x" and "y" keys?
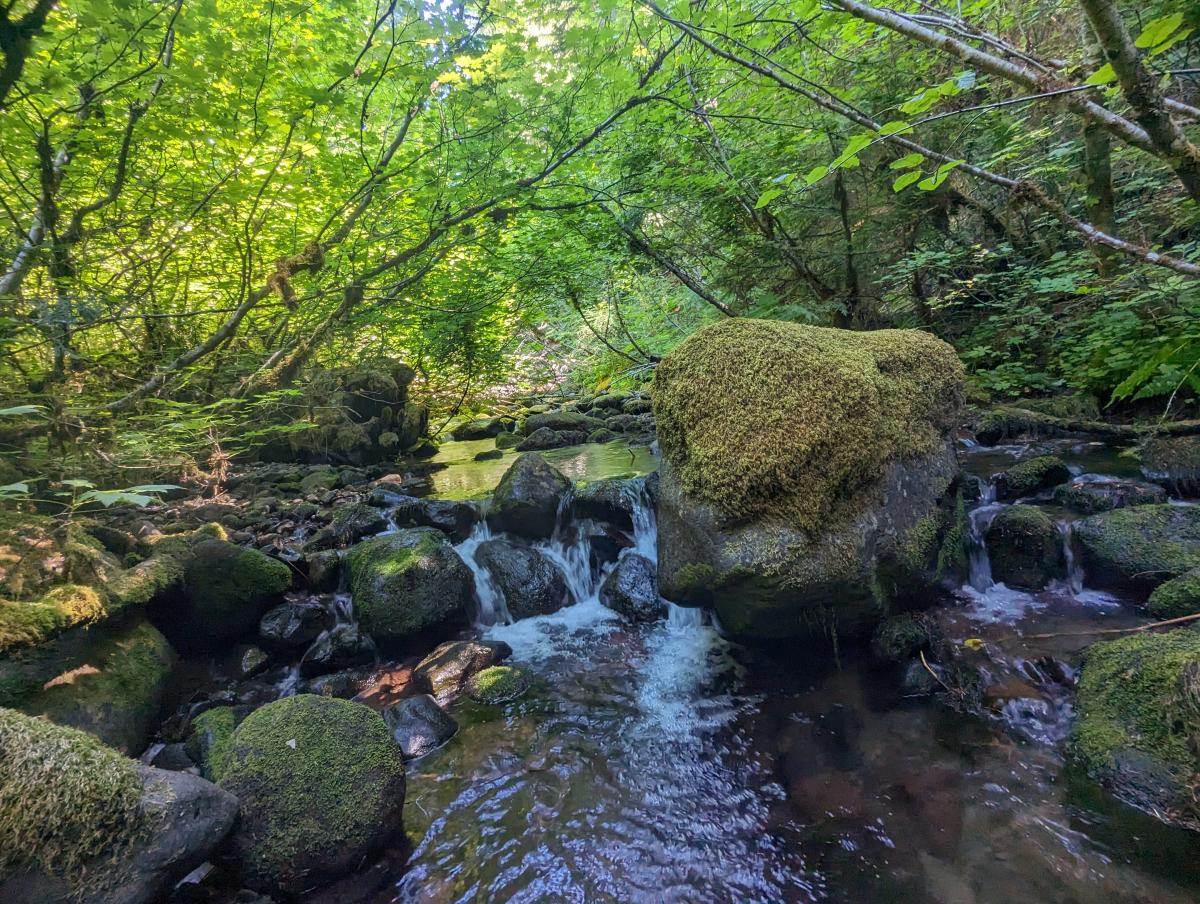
{"x": 1158, "y": 624}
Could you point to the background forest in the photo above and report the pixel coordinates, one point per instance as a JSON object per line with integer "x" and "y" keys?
{"x": 203, "y": 198}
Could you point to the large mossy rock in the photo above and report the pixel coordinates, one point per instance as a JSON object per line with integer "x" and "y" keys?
{"x": 1030, "y": 476}
{"x": 1174, "y": 462}
{"x": 1138, "y": 730}
{"x": 1177, "y": 597}
{"x": 527, "y": 499}
{"x": 80, "y": 822}
{"x": 407, "y": 582}
{"x": 1090, "y": 494}
{"x": 531, "y": 583}
{"x": 321, "y": 786}
{"x": 803, "y": 469}
{"x": 1139, "y": 548}
{"x": 1024, "y": 547}
{"x": 561, "y": 420}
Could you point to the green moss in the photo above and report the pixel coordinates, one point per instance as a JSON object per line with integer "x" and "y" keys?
{"x": 499, "y": 684}
{"x": 1031, "y": 476}
{"x": 1140, "y": 547}
{"x": 902, "y": 637}
{"x": 216, "y": 727}
{"x": 765, "y": 419}
{"x": 953, "y": 554}
{"x": 1024, "y": 547}
{"x": 1174, "y": 460}
{"x": 561, "y": 420}
{"x": 918, "y": 550}
{"x": 227, "y": 588}
{"x": 1177, "y": 597}
{"x": 65, "y": 799}
{"x": 36, "y": 621}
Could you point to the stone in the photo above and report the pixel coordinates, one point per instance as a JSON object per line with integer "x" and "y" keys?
{"x": 295, "y": 624}
{"x": 350, "y": 523}
{"x": 632, "y": 589}
{"x": 1024, "y": 547}
{"x": 1174, "y": 462}
{"x": 1030, "y": 477}
{"x": 345, "y": 647}
{"x": 446, "y": 671}
{"x": 499, "y": 684}
{"x": 613, "y": 500}
{"x": 324, "y": 570}
{"x": 1177, "y": 597}
{"x": 209, "y": 739}
{"x": 489, "y": 455}
{"x": 454, "y": 519}
{"x": 484, "y": 428}
{"x": 610, "y": 401}
{"x": 419, "y": 725}
{"x": 545, "y": 438}
{"x": 527, "y": 499}
{"x": 1092, "y": 493}
{"x": 532, "y": 584}
{"x": 319, "y": 481}
{"x": 249, "y": 660}
{"x": 637, "y": 406}
{"x": 561, "y": 420}
{"x": 1139, "y": 548}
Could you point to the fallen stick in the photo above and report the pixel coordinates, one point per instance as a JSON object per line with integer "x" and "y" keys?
{"x": 1159, "y": 624}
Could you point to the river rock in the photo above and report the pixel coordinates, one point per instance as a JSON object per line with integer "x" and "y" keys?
{"x": 446, "y": 671}
{"x": 419, "y": 725}
{"x": 323, "y": 568}
{"x": 208, "y": 742}
{"x": 454, "y": 519}
{"x": 610, "y": 401}
{"x": 1174, "y": 462}
{"x": 349, "y": 524}
{"x": 82, "y": 822}
{"x": 342, "y": 648}
{"x": 632, "y": 589}
{"x": 1024, "y": 547}
{"x": 613, "y": 500}
{"x": 1177, "y": 597}
{"x": 1139, "y": 548}
{"x": 1092, "y": 493}
{"x": 527, "y": 499}
{"x": 531, "y": 583}
{"x": 321, "y": 785}
{"x": 805, "y": 474}
{"x": 561, "y": 420}
{"x": 296, "y": 624}
{"x": 499, "y": 684}
{"x": 484, "y": 428}
{"x": 1029, "y": 477}
{"x": 407, "y": 582}
{"x": 637, "y": 406}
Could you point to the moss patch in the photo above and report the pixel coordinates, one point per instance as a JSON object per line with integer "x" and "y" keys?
{"x": 779, "y": 420}
{"x": 1177, "y": 597}
{"x": 213, "y": 730}
{"x": 1024, "y": 547}
{"x": 36, "y": 621}
{"x": 1031, "y": 476}
{"x": 499, "y": 684}
{"x": 1140, "y": 547}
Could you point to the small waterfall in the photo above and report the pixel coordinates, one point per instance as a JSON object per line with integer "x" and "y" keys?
{"x": 1074, "y": 581}
{"x": 980, "y": 566}
{"x": 492, "y": 608}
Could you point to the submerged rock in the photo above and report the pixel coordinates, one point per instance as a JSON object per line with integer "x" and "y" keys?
{"x": 1092, "y": 493}
{"x": 802, "y": 473}
{"x": 1025, "y": 547}
{"x": 406, "y": 582}
{"x": 527, "y": 499}
{"x": 82, "y": 822}
{"x": 499, "y": 684}
{"x": 632, "y": 589}
{"x": 531, "y": 583}
{"x": 321, "y": 785}
{"x": 419, "y": 725}
{"x": 1139, "y": 548}
{"x": 446, "y": 671}
{"x": 1177, "y": 597}
{"x": 1173, "y": 461}
{"x": 1029, "y": 477}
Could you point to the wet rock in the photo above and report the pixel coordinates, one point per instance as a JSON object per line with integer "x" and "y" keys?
{"x": 446, "y": 671}
{"x": 1029, "y": 477}
{"x": 407, "y": 582}
{"x": 419, "y": 725}
{"x": 1177, "y": 597}
{"x": 531, "y": 583}
{"x": 637, "y": 406}
{"x": 321, "y": 785}
{"x": 612, "y": 500}
{"x": 1025, "y": 547}
{"x": 324, "y": 570}
{"x": 1174, "y": 462}
{"x": 1092, "y": 493}
{"x": 489, "y": 455}
{"x": 561, "y": 420}
{"x": 499, "y": 684}
{"x": 342, "y": 648}
{"x": 611, "y": 401}
{"x": 292, "y": 625}
{"x": 343, "y": 685}
{"x": 632, "y": 589}
{"x": 1139, "y": 548}
{"x": 83, "y": 822}
{"x": 484, "y": 428}
{"x": 319, "y": 481}
{"x": 172, "y": 757}
{"x": 208, "y": 743}
{"x": 603, "y": 435}
{"x": 350, "y": 524}
{"x": 527, "y": 500}
{"x": 454, "y": 519}
{"x": 902, "y": 638}
{"x": 249, "y": 661}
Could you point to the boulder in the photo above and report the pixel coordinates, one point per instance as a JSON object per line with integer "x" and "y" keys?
{"x": 407, "y": 582}
{"x": 508, "y": 440}
{"x": 613, "y": 500}
{"x": 82, "y": 822}
{"x": 446, "y": 671}
{"x": 1139, "y": 548}
{"x": 527, "y": 499}
{"x": 1092, "y": 493}
{"x": 561, "y": 420}
{"x": 484, "y": 428}
{"x": 211, "y": 734}
{"x": 454, "y": 519}
{"x": 349, "y": 524}
{"x": 319, "y": 481}
{"x": 1177, "y": 597}
{"x": 419, "y": 725}
{"x": 622, "y": 423}
{"x": 603, "y": 435}
{"x": 1174, "y": 462}
{"x": 321, "y": 785}
{"x": 292, "y": 625}
{"x": 345, "y": 647}
{"x": 805, "y": 472}
{"x": 323, "y": 570}
{"x": 1138, "y": 721}
{"x": 637, "y": 406}
{"x": 1029, "y": 477}
{"x": 610, "y": 401}
{"x": 489, "y": 455}
{"x": 545, "y": 438}
{"x": 499, "y": 684}
{"x": 531, "y": 583}
{"x": 632, "y": 589}
{"x": 1024, "y": 547}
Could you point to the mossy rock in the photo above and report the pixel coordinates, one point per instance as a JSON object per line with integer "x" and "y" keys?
{"x": 903, "y": 637}
{"x": 1072, "y": 406}
{"x": 319, "y": 480}
{"x": 1173, "y": 461}
{"x": 321, "y": 785}
{"x": 610, "y": 401}
{"x": 407, "y": 582}
{"x": 1139, "y": 548}
{"x": 499, "y": 684}
{"x": 526, "y": 500}
{"x": 211, "y": 740}
{"x": 484, "y": 428}
{"x": 508, "y": 440}
{"x": 1024, "y": 547}
{"x": 1177, "y": 597}
{"x": 1090, "y": 494}
{"x": 1031, "y": 476}
{"x": 1138, "y": 729}
{"x": 561, "y": 420}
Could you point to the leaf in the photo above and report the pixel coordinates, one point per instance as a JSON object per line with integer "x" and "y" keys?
{"x": 816, "y": 174}
{"x": 14, "y": 489}
{"x": 1102, "y": 76}
{"x": 1171, "y": 42}
{"x": 1158, "y": 31}
{"x": 908, "y": 161}
{"x": 109, "y": 498}
{"x": 895, "y": 127}
{"x": 767, "y": 197}
{"x": 940, "y": 176}
{"x": 20, "y": 410}
{"x": 973, "y": 643}
{"x": 1143, "y": 373}
{"x": 154, "y": 488}
{"x": 906, "y": 180}
{"x": 77, "y": 484}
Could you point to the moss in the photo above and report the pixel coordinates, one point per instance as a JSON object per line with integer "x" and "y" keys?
{"x": 953, "y": 554}
{"x": 561, "y": 420}
{"x": 765, "y": 419}
{"x": 65, "y": 799}
{"x": 499, "y": 684}
{"x": 1173, "y": 460}
{"x": 36, "y": 621}
{"x": 1024, "y": 547}
{"x": 1031, "y": 476}
{"x": 1072, "y": 406}
{"x": 902, "y": 637}
{"x": 227, "y": 589}
{"x": 215, "y": 726}
{"x": 1138, "y": 702}
{"x": 1140, "y": 547}
{"x": 1177, "y": 597}
{"x": 919, "y": 547}
{"x": 316, "y": 777}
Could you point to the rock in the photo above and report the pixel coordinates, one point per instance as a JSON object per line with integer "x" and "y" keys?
{"x": 1177, "y": 597}
{"x": 561, "y": 420}
{"x": 603, "y": 435}
{"x": 82, "y": 822}
{"x": 612, "y": 500}
{"x": 531, "y": 583}
{"x": 324, "y": 570}
{"x": 485, "y": 428}
{"x": 350, "y": 524}
{"x": 1000, "y": 424}
{"x": 1138, "y": 721}
{"x": 454, "y": 519}
{"x": 611, "y": 401}
{"x": 806, "y": 472}
{"x": 321, "y": 785}
{"x": 249, "y": 661}
{"x": 446, "y": 671}
{"x": 508, "y": 440}
{"x": 489, "y": 455}
{"x": 637, "y": 406}
{"x": 419, "y": 725}
{"x": 1139, "y": 548}
{"x": 499, "y": 684}
{"x": 632, "y": 589}
{"x": 292, "y": 625}
{"x": 1092, "y": 493}
{"x": 342, "y": 648}
{"x": 1030, "y": 476}
{"x": 343, "y": 685}
{"x": 1024, "y": 547}
{"x": 903, "y": 637}
{"x": 319, "y": 481}
{"x": 622, "y": 423}
{"x": 1174, "y": 462}
{"x": 407, "y": 582}
{"x": 171, "y": 757}
{"x": 209, "y": 742}
{"x": 527, "y": 499}
{"x": 545, "y": 438}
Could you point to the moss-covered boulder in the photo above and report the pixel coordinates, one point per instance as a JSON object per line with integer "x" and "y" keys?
{"x": 798, "y": 463}
{"x": 1029, "y": 477}
{"x": 407, "y": 582}
{"x": 321, "y": 785}
{"x": 1139, "y": 548}
{"x": 80, "y": 822}
{"x": 210, "y": 740}
{"x": 1024, "y": 547}
{"x": 483, "y": 428}
{"x": 1138, "y": 728}
{"x": 561, "y": 420}
{"x": 1089, "y": 494}
{"x": 527, "y": 499}
{"x": 1177, "y": 597}
{"x": 1174, "y": 462}
{"x": 499, "y": 684}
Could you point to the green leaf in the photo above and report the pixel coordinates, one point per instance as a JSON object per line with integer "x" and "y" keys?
{"x": 816, "y": 174}
{"x": 895, "y": 127}
{"x": 1102, "y": 76}
{"x": 20, "y": 410}
{"x": 154, "y": 488}
{"x": 1158, "y": 31}
{"x": 78, "y": 484}
{"x": 109, "y": 498}
{"x": 908, "y": 161}
{"x": 14, "y": 489}
{"x": 1166, "y": 45}
{"x": 767, "y": 197}
{"x": 906, "y": 180}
